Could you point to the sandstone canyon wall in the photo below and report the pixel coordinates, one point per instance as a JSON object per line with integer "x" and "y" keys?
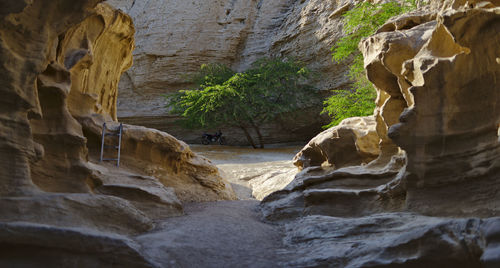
{"x": 61, "y": 63}
{"x": 436, "y": 71}
{"x": 175, "y": 37}
{"x": 428, "y": 199}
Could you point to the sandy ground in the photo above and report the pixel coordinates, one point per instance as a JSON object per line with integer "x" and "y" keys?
{"x": 227, "y": 233}
{"x": 253, "y": 173}
{"x": 218, "y": 234}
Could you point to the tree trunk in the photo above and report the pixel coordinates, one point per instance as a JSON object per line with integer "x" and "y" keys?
{"x": 249, "y": 138}
{"x": 261, "y": 140}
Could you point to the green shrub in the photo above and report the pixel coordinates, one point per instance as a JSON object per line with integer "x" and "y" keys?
{"x": 360, "y": 22}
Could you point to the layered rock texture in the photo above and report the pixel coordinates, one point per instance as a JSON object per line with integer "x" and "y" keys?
{"x": 353, "y": 142}
{"x": 175, "y": 37}
{"x": 426, "y": 196}
{"x": 436, "y": 71}
{"x": 61, "y": 63}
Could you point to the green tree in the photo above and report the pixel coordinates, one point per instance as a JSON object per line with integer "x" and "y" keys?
{"x": 245, "y": 100}
{"x": 360, "y": 22}
{"x": 210, "y": 75}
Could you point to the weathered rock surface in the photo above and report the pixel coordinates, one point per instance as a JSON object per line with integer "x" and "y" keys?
{"x": 61, "y": 62}
{"x": 97, "y": 52}
{"x": 391, "y": 240}
{"x": 97, "y": 212}
{"x": 437, "y": 120}
{"x": 436, "y": 76}
{"x": 221, "y": 234}
{"x": 146, "y": 193}
{"x": 440, "y": 80}
{"x": 151, "y": 152}
{"x": 175, "y": 37}
{"x": 353, "y": 142}
{"x": 437, "y": 81}
{"x": 346, "y": 192}
{"x": 29, "y": 40}
{"x": 35, "y": 245}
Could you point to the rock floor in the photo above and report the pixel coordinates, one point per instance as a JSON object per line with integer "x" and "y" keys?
{"x": 218, "y": 234}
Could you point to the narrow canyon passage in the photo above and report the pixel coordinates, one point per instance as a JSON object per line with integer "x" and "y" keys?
{"x": 253, "y": 173}
{"x": 227, "y": 233}
{"x": 216, "y": 234}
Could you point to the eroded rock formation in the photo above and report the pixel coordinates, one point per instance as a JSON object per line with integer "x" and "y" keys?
{"x": 436, "y": 119}
{"x": 61, "y": 63}
{"x": 436, "y": 111}
{"x": 390, "y": 240}
{"x": 353, "y": 142}
{"x": 436, "y": 71}
{"x": 440, "y": 78}
{"x": 175, "y": 37}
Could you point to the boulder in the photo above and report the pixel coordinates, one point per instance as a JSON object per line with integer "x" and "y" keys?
{"x": 353, "y": 142}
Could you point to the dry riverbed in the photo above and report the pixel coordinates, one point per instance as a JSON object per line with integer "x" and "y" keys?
{"x": 228, "y": 233}
{"x": 253, "y": 173}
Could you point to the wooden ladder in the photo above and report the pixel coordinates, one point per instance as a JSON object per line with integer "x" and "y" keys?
{"x": 118, "y": 132}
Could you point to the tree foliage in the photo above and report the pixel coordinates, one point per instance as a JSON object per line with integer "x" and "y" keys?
{"x": 360, "y": 22}
{"x": 245, "y": 100}
{"x": 211, "y": 74}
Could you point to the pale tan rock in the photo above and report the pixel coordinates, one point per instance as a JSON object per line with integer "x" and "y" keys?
{"x": 62, "y": 70}
{"x": 449, "y": 120}
{"x": 150, "y": 152}
{"x": 436, "y": 116}
{"x": 35, "y": 87}
{"x": 353, "y": 142}
{"x": 60, "y": 168}
{"x": 193, "y": 177}
{"x": 97, "y": 52}
{"x": 175, "y": 37}
{"x": 29, "y": 41}
{"x": 258, "y": 180}
{"x": 457, "y": 4}
{"x": 270, "y": 181}
{"x": 146, "y": 193}
{"x": 353, "y": 191}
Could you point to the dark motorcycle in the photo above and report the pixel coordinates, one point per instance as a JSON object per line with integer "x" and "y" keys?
{"x": 217, "y": 137}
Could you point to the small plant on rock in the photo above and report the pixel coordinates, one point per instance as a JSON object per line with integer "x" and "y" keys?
{"x": 360, "y": 22}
